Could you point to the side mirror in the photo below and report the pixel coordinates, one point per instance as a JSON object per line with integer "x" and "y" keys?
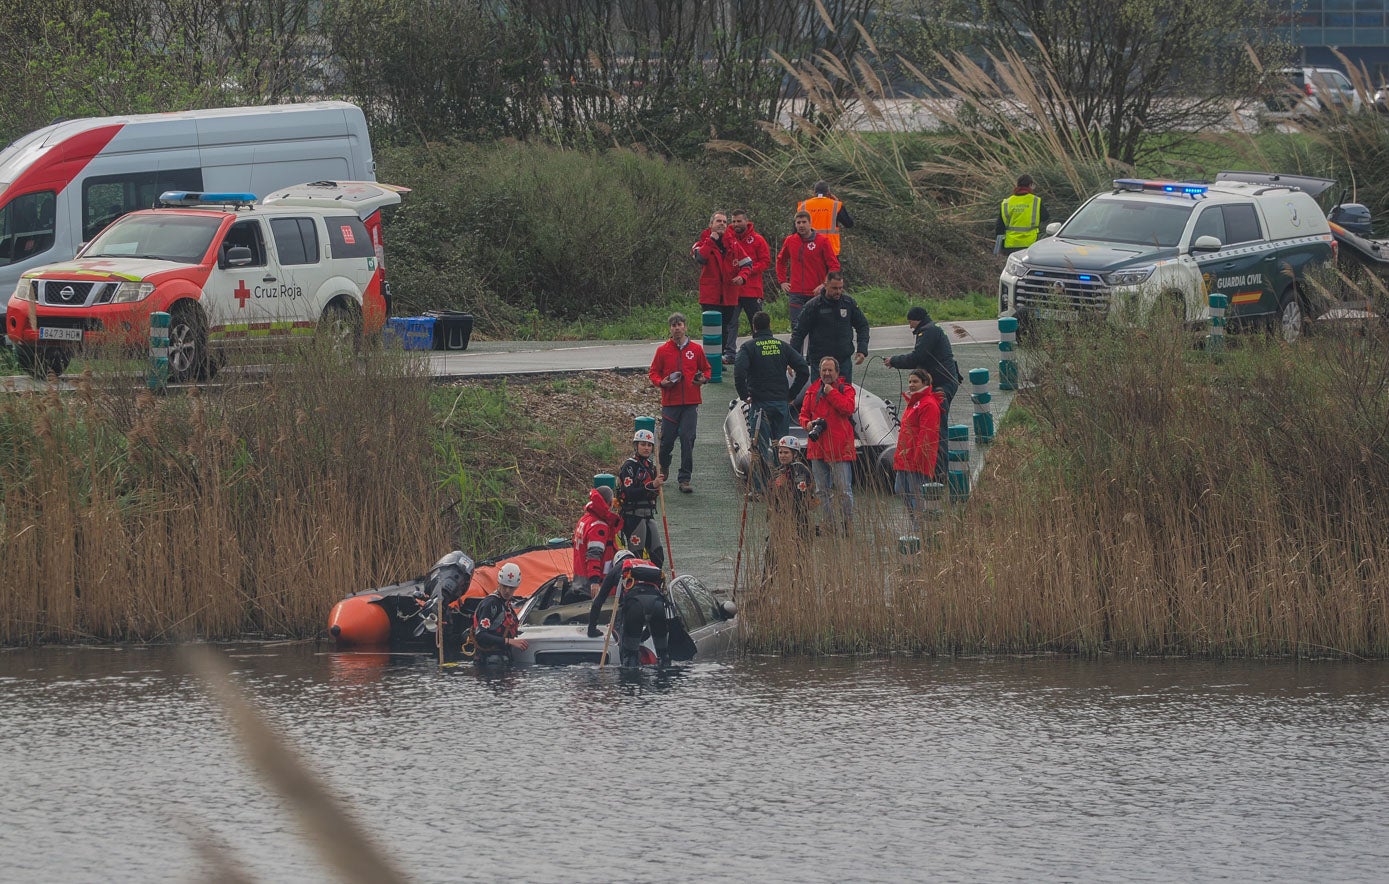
{"x": 236, "y": 256}
{"x": 729, "y": 609}
{"x": 1206, "y": 243}
{"x": 1053, "y": 228}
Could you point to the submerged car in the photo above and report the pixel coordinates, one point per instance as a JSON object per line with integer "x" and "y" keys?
{"x": 875, "y": 434}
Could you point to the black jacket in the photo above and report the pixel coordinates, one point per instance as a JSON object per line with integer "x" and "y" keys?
{"x": 831, "y": 327}
{"x": 932, "y": 352}
{"x": 759, "y": 371}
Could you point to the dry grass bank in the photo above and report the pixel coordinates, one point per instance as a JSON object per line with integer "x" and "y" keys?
{"x": 1143, "y": 499}
{"x": 252, "y": 507}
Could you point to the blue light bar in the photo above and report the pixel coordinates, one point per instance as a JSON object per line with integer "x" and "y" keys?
{"x": 1138, "y": 185}
{"x": 200, "y": 198}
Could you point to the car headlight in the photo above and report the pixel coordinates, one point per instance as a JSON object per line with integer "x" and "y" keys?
{"x": 1131, "y": 276}
{"x": 132, "y": 291}
{"x": 24, "y": 291}
{"x": 1014, "y": 267}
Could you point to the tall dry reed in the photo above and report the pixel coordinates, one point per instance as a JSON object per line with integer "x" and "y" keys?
{"x": 1142, "y": 499}
{"x": 246, "y": 507}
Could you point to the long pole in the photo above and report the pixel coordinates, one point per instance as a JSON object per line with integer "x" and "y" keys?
{"x": 439, "y": 621}
{"x": 754, "y": 455}
{"x": 612, "y": 621}
{"x": 665, "y": 526}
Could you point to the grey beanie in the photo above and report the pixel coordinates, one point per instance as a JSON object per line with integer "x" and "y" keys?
{"x": 919, "y": 314}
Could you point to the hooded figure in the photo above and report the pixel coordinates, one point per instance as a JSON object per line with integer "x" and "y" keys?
{"x": 595, "y": 540}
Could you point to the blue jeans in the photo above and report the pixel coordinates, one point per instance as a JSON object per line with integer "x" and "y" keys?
{"x": 776, "y": 416}
{"x": 834, "y": 485}
{"x": 908, "y": 485}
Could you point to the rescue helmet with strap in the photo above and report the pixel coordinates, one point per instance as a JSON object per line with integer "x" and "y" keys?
{"x": 509, "y": 575}
{"x": 644, "y": 436}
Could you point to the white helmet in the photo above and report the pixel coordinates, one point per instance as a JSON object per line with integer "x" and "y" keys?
{"x": 622, "y": 555}
{"x": 644, "y": 436}
{"x": 509, "y": 575}
{"x": 791, "y": 442}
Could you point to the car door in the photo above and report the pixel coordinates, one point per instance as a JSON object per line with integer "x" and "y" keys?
{"x": 298, "y": 247}
{"x": 240, "y": 300}
{"x": 1245, "y": 267}
{"x": 714, "y": 637}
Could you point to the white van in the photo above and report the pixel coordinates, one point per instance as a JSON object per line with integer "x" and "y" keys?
{"x": 61, "y": 185}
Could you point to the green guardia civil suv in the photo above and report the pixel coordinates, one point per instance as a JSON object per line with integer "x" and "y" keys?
{"x": 1168, "y": 245}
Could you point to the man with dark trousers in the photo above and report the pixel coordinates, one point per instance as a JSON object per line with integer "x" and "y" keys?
{"x": 641, "y": 606}
{"x": 830, "y": 322}
{"x": 724, "y": 270}
{"x": 932, "y": 351}
{"x": 759, "y": 373}
{"x": 750, "y": 298}
{"x": 679, "y": 369}
{"x": 805, "y": 260}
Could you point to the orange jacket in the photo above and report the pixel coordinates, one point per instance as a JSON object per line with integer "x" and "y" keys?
{"x": 824, "y": 217}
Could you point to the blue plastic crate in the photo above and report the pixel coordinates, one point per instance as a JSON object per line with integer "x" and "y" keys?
{"x": 413, "y": 332}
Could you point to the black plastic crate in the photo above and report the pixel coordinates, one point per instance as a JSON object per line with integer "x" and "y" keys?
{"x": 452, "y": 330}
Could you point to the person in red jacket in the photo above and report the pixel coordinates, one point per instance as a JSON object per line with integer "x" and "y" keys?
{"x": 726, "y": 268}
{"x": 915, "y": 460}
{"x": 750, "y": 298}
{"x": 679, "y": 369}
{"x": 805, "y": 259}
{"x": 595, "y": 541}
{"x": 825, "y": 413}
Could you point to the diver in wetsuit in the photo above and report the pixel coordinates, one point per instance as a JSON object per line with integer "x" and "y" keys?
{"x": 495, "y": 624}
{"x": 642, "y": 604}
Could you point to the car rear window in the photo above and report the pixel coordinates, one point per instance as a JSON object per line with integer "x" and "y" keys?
{"x": 348, "y": 238}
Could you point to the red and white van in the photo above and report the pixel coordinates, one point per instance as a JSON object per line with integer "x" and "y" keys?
{"x": 231, "y": 272}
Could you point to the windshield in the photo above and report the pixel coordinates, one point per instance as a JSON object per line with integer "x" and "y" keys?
{"x": 1129, "y": 221}
{"x": 181, "y": 238}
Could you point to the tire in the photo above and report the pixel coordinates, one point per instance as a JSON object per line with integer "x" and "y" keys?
{"x": 187, "y": 345}
{"x": 40, "y": 362}
{"x": 1290, "y": 321}
{"x": 340, "y": 327}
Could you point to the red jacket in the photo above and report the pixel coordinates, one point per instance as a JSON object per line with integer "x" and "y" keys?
{"x": 719, "y": 267}
{"x": 687, "y": 360}
{"x": 805, "y": 263}
{"x": 761, "y": 254}
{"x": 920, "y": 432}
{"x": 836, "y": 406}
{"x": 595, "y": 537}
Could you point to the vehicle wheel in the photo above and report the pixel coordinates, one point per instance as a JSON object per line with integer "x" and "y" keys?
{"x": 1290, "y": 318}
{"x": 40, "y": 363}
{"x": 340, "y": 327}
{"x": 187, "y": 345}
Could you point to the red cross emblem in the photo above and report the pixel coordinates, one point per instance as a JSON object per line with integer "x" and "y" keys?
{"x": 241, "y": 293}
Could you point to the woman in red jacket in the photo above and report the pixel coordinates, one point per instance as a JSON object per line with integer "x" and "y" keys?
{"x": 915, "y": 461}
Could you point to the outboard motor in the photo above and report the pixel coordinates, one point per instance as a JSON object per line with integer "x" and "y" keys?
{"x": 1354, "y": 217}
{"x": 450, "y": 577}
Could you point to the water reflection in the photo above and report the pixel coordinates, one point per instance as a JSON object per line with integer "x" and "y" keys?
{"x": 820, "y": 770}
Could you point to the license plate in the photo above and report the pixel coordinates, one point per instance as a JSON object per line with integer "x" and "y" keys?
{"x": 48, "y": 333}
{"x": 1067, "y": 315}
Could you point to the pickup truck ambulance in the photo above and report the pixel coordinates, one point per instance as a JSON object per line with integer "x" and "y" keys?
{"x": 232, "y": 273}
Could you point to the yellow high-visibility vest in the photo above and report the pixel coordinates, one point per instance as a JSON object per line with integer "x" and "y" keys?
{"x": 824, "y": 217}
{"x": 1022, "y": 216}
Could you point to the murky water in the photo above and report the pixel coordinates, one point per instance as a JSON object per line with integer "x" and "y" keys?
{"x": 114, "y": 761}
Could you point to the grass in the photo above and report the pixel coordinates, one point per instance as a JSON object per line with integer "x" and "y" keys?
{"x": 1140, "y": 498}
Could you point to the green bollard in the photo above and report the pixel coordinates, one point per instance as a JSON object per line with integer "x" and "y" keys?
{"x": 1007, "y": 344}
{"x": 958, "y": 472}
{"x": 645, "y": 423}
{"x": 158, "y": 375}
{"x": 713, "y": 344}
{"x": 1215, "y": 341}
{"x": 605, "y": 480}
{"x": 983, "y": 417}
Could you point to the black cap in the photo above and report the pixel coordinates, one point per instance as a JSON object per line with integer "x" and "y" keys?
{"x": 919, "y": 314}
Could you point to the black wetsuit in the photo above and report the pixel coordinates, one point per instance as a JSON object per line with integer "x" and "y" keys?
{"x": 494, "y": 621}
{"x": 637, "y": 496}
{"x": 642, "y": 606}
